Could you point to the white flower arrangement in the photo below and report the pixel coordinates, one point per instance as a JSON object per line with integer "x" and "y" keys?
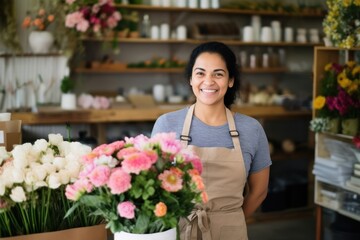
{"x": 33, "y": 178}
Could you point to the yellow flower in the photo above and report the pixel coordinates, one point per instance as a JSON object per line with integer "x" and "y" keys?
{"x": 351, "y": 64}
{"x": 328, "y": 67}
{"x": 356, "y": 2}
{"x": 356, "y": 70}
{"x": 319, "y": 102}
{"x": 346, "y": 3}
{"x": 343, "y": 81}
{"x": 353, "y": 87}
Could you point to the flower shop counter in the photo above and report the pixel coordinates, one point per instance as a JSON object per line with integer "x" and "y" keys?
{"x": 58, "y": 116}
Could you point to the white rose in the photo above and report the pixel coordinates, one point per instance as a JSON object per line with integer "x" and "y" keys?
{"x": 41, "y": 145}
{"x": 20, "y": 154}
{"x": 35, "y": 186}
{"x": 30, "y": 178}
{"x": 18, "y": 175}
{"x": 79, "y": 149}
{"x": 73, "y": 167}
{"x": 40, "y": 172}
{"x": 2, "y": 187}
{"x": 59, "y": 162}
{"x": 55, "y": 139}
{"x": 54, "y": 181}
{"x": 64, "y": 177}
{"x": 64, "y": 148}
{"x": 49, "y": 168}
{"x": 18, "y": 194}
{"x": 48, "y": 157}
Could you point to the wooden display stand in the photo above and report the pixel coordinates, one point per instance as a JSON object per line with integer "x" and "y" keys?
{"x": 323, "y": 56}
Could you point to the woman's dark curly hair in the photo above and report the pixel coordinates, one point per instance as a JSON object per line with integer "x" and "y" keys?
{"x": 230, "y": 59}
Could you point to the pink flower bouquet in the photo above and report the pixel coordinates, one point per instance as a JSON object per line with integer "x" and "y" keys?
{"x": 94, "y": 16}
{"x": 141, "y": 184}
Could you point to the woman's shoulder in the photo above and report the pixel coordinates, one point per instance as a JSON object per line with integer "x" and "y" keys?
{"x": 174, "y": 115}
{"x": 246, "y": 120}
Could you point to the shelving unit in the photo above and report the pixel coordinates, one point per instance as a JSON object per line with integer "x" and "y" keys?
{"x": 323, "y": 56}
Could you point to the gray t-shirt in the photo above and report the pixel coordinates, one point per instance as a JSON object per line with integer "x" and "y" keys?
{"x": 253, "y": 141}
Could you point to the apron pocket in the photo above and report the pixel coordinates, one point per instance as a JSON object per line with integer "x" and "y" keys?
{"x": 232, "y": 233}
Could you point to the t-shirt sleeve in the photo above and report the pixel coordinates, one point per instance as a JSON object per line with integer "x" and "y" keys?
{"x": 161, "y": 125}
{"x": 262, "y": 154}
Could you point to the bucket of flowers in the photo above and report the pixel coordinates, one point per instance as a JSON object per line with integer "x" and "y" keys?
{"x": 338, "y": 99}
{"x": 142, "y": 186}
{"x": 33, "y": 178}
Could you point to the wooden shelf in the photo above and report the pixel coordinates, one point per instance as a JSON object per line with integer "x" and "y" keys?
{"x": 140, "y": 114}
{"x": 168, "y": 70}
{"x": 217, "y": 10}
{"x": 233, "y": 42}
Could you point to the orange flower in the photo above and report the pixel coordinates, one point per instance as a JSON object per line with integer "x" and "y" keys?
{"x": 51, "y": 18}
{"x": 160, "y": 209}
{"x": 204, "y": 197}
{"x": 27, "y": 22}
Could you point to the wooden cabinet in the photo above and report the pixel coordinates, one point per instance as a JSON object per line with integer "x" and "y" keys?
{"x": 333, "y": 191}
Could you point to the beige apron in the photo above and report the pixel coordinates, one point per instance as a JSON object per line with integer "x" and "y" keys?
{"x": 224, "y": 176}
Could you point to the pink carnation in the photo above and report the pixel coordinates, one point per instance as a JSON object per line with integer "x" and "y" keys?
{"x": 100, "y": 175}
{"x": 119, "y": 181}
{"x": 77, "y": 189}
{"x": 126, "y": 151}
{"x": 104, "y": 149}
{"x": 117, "y": 145}
{"x": 170, "y": 181}
{"x": 126, "y": 210}
{"x": 136, "y": 162}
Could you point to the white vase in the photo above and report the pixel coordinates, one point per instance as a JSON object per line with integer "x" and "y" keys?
{"x": 166, "y": 235}
{"x": 68, "y": 101}
{"x": 41, "y": 41}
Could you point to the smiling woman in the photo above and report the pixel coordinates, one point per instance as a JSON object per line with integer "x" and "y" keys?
{"x": 210, "y": 129}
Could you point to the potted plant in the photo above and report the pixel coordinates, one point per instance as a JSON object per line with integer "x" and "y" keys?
{"x": 68, "y": 97}
{"x": 141, "y": 186}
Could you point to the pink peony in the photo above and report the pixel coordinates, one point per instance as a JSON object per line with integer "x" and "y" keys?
{"x": 136, "y": 162}
{"x": 99, "y": 176}
{"x": 77, "y": 189}
{"x": 119, "y": 181}
{"x": 170, "y": 181}
{"x": 126, "y": 210}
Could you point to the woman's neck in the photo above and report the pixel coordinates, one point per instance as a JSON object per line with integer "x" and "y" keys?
{"x": 214, "y": 115}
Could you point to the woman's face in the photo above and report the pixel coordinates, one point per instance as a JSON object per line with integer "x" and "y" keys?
{"x": 210, "y": 79}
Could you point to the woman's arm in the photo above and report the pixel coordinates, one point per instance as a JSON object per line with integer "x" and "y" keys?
{"x": 257, "y": 190}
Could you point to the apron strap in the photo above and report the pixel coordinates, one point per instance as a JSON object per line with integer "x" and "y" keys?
{"x": 184, "y": 137}
{"x": 232, "y": 129}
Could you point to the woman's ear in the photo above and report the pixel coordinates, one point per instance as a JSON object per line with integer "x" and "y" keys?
{"x": 231, "y": 82}
{"x": 190, "y": 81}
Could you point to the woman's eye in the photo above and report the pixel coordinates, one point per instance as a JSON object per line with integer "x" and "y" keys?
{"x": 218, "y": 75}
{"x": 199, "y": 74}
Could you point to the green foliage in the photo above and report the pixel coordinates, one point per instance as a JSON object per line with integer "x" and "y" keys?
{"x": 67, "y": 85}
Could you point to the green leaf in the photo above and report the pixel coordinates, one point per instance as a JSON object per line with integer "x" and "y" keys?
{"x": 72, "y": 209}
{"x": 92, "y": 201}
{"x": 142, "y": 223}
